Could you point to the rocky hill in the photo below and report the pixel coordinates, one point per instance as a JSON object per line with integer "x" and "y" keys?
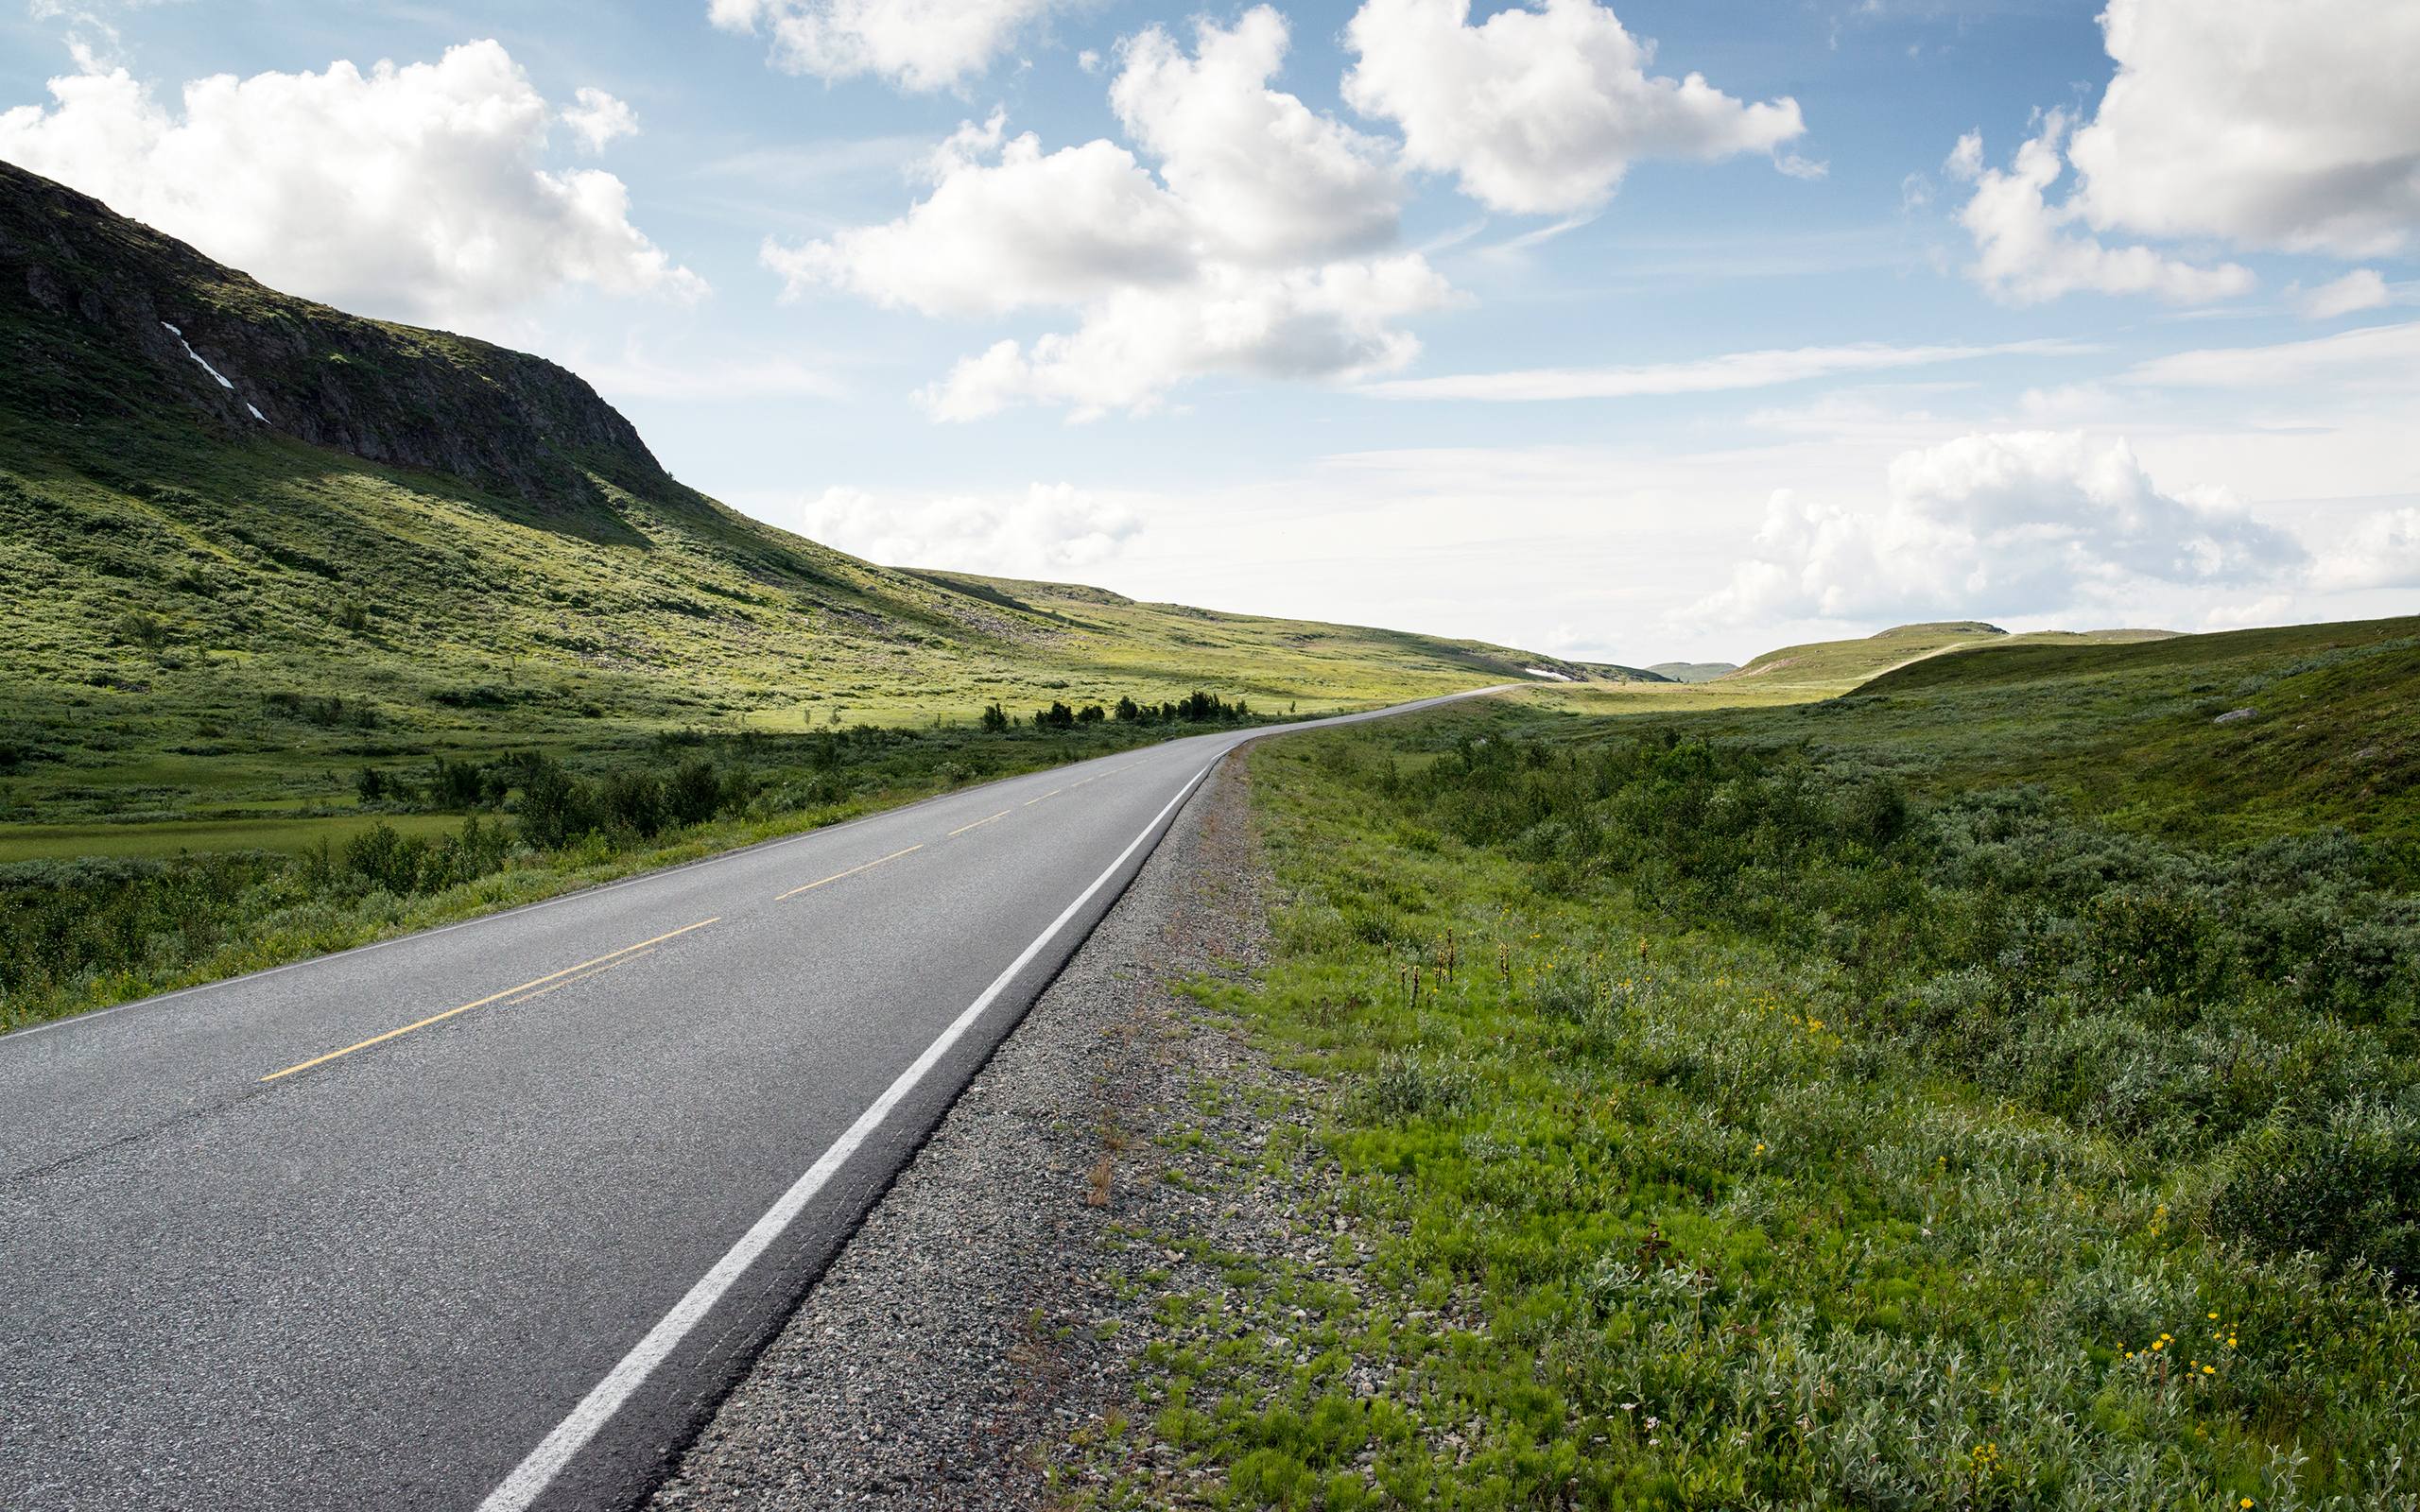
{"x": 103, "y": 317}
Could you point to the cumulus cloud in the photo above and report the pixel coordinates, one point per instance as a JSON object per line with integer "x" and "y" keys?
{"x": 599, "y": 118}
{"x": 1240, "y": 255}
{"x": 1049, "y": 529}
{"x": 2361, "y": 289}
{"x": 2000, "y": 524}
{"x": 1541, "y": 111}
{"x": 1008, "y": 226}
{"x": 416, "y": 191}
{"x": 1277, "y": 181}
{"x": 1333, "y": 321}
{"x": 2027, "y": 250}
{"x": 2293, "y": 127}
{"x": 916, "y": 45}
{"x": 2382, "y": 551}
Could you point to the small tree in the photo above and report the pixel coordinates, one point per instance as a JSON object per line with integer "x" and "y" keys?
{"x": 995, "y": 718}
{"x": 1127, "y": 710}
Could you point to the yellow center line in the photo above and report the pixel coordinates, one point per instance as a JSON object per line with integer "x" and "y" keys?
{"x": 599, "y": 971}
{"x": 493, "y": 997}
{"x": 1053, "y": 793}
{"x": 979, "y": 823}
{"x": 851, "y": 873}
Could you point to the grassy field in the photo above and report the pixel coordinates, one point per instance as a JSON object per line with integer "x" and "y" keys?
{"x": 1990, "y": 1090}
{"x": 82, "y": 925}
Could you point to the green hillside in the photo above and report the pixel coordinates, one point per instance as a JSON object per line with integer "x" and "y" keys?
{"x": 253, "y": 544}
{"x": 1830, "y": 662}
{"x": 2244, "y": 732}
{"x": 1693, "y": 671}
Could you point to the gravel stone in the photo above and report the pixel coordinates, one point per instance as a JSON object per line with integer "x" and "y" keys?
{"x": 975, "y": 1343}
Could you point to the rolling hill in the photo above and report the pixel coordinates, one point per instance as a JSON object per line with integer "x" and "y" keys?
{"x": 1831, "y": 663}
{"x": 253, "y": 540}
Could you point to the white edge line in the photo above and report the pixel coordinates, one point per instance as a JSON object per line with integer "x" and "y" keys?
{"x": 530, "y": 1478}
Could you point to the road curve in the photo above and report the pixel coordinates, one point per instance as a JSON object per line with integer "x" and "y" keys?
{"x": 489, "y": 1217}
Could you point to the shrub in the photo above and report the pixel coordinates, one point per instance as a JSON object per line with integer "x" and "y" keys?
{"x": 554, "y": 807}
{"x": 634, "y": 801}
{"x": 696, "y": 792}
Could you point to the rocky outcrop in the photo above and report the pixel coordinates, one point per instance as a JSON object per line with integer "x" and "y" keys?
{"x": 104, "y": 316}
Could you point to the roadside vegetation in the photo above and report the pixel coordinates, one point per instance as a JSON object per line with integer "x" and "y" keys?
{"x": 1837, "y": 1106}
{"x": 446, "y": 839}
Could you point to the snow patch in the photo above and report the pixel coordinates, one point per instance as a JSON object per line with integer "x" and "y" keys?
{"x": 199, "y": 358}
{"x": 256, "y": 412}
{"x": 1548, "y": 674}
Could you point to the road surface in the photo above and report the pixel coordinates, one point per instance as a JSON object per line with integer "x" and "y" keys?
{"x": 489, "y": 1217}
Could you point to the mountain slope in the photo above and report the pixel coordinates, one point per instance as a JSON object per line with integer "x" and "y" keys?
{"x": 1826, "y": 662}
{"x": 427, "y": 544}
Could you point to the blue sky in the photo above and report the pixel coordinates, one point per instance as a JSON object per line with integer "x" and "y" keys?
{"x": 1684, "y": 381}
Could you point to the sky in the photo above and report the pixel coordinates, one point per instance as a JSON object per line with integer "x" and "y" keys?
{"x": 1670, "y": 331}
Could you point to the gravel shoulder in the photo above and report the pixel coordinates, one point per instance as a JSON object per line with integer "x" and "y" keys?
{"x": 979, "y": 1342}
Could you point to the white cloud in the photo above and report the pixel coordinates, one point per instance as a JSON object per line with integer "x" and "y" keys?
{"x": 415, "y": 191}
{"x": 2275, "y": 125}
{"x": 2000, "y": 524}
{"x": 1024, "y": 228}
{"x": 2382, "y": 551}
{"x": 2375, "y": 357}
{"x": 1540, "y": 110}
{"x": 917, "y": 44}
{"x": 1332, "y": 322}
{"x": 2361, "y": 289}
{"x": 1731, "y": 371}
{"x": 2026, "y": 252}
{"x": 1242, "y": 261}
{"x": 1274, "y": 181}
{"x": 599, "y": 118}
{"x": 1050, "y": 529}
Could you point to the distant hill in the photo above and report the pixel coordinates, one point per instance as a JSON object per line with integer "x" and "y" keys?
{"x": 1616, "y": 672}
{"x": 2293, "y": 723}
{"x": 252, "y": 541}
{"x": 1841, "y": 663}
{"x": 1692, "y": 671}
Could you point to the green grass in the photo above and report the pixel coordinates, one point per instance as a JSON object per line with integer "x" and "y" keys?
{"x": 57, "y": 842}
{"x": 1840, "y": 1105}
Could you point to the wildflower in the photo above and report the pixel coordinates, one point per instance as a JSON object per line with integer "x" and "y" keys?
{"x": 2209, "y": 1369}
{"x": 2246, "y": 1501}
{"x": 2214, "y": 1317}
{"x": 1650, "y": 1423}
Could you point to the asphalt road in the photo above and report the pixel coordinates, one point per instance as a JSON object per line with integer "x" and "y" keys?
{"x": 491, "y": 1216}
